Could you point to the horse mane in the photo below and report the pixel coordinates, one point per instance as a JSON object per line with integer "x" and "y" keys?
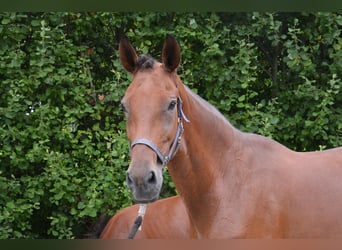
{"x": 145, "y": 62}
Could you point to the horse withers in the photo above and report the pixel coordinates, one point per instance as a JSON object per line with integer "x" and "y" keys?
{"x": 233, "y": 184}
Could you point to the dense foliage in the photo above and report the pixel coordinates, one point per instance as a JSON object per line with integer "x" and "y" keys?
{"x": 63, "y": 148}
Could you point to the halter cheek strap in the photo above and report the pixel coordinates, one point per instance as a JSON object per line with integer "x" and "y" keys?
{"x": 176, "y": 142}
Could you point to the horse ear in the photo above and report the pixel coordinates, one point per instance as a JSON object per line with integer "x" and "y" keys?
{"x": 128, "y": 56}
{"x": 171, "y": 53}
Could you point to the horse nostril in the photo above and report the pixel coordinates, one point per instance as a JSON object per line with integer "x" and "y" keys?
{"x": 151, "y": 178}
{"x": 129, "y": 179}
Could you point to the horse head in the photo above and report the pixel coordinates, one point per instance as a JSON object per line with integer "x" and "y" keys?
{"x": 153, "y": 110}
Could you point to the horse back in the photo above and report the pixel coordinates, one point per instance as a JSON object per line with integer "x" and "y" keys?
{"x": 164, "y": 219}
{"x": 286, "y": 194}
{"x": 300, "y": 191}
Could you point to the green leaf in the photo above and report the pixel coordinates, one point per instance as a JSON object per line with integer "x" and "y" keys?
{"x": 80, "y": 205}
{"x": 59, "y": 195}
{"x": 5, "y": 21}
{"x": 10, "y": 205}
{"x": 242, "y": 98}
{"x": 35, "y": 23}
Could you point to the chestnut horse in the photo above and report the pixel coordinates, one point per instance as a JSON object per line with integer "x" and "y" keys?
{"x": 164, "y": 219}
{"x": 233, "y": 184}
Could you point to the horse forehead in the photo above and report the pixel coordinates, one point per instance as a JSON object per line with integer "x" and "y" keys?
{"x": 151, "y": 82}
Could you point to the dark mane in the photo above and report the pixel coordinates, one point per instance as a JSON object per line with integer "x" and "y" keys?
{"x": 145, "y": 62}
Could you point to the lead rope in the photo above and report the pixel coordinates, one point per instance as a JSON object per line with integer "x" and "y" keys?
{"x": 138, "y": 221}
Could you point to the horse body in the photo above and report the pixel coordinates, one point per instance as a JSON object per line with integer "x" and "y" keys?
{"x": 164, "y": 219}
{"x": 233, "y": 184}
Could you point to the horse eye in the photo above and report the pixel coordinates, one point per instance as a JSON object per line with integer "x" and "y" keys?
{"x": 172, "y": 105}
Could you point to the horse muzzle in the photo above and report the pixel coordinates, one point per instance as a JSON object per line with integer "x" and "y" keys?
{"x": 144, "y": 180}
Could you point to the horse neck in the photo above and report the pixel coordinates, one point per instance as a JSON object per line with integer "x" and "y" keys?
{"x": 200, "y": 165}
{"x": 208, "y": 129}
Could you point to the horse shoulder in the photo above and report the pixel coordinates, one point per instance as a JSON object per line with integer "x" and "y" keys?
{"x": 261, "y": 174}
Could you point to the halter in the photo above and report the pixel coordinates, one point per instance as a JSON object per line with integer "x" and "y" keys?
{"x": 164, "y": 159}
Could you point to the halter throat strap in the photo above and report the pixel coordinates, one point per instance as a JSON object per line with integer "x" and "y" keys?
{"x": 164, "y": 159}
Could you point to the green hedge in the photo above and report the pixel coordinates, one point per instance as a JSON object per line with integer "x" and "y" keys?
{"x": 63, "y": 147}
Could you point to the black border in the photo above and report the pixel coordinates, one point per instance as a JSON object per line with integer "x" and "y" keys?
{"x": 171, "y": 5}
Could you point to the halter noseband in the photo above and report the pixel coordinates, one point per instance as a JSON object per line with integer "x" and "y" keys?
{"x": 176, "y": 141}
